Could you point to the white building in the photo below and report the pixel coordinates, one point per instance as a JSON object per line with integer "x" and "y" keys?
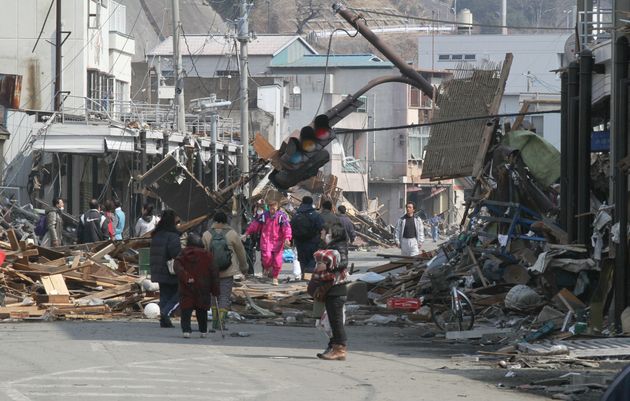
{"x": 532, "y": 76}
{"x": 96, "y": 53}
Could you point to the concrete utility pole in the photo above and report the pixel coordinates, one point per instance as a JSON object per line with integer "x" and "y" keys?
{"x": 58, "y": 68}
{"x": 177, "y": 69}
{"x": 243, "y": 38}
{"x": 504, "y": 30}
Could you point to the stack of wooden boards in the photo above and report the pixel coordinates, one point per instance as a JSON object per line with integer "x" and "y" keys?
{"x": 96, "y": 280}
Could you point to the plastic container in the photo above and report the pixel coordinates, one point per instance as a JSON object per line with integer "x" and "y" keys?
{"x": 405, "y": 304}
{"x": 144, "y": 259}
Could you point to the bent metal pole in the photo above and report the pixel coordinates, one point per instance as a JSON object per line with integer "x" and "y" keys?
{"x": 388, "y": 52}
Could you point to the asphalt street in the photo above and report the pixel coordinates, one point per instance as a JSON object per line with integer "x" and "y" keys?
{"x": 124, "y": 360}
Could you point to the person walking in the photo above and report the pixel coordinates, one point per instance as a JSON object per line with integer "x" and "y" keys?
{"x": 198, "y": 283}
{"x": 328, "y": 216}
{"x": 147, "y": 222}
{"x": 435, "y": 227}
{"x": 410, "y": 232}
{"x": 252, "y": 241}
{"x": 275, "y": 233}
{"x": 306, "y": 226}
{"x": 93, "y": 225}
{"x": 228, "y": 255}
{"x": 54, "y": 224}
{"x": 347, "y": 224}
{"x": 328, "y": 285}
{"x": 112, "y": 220}
{"x": 120, "y": 222}
{"x": 165, "y": 246}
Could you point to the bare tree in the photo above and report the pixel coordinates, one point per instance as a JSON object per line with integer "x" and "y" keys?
{"x": 307, "y": 10}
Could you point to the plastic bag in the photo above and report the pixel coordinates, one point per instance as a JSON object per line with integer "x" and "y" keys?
{"x": 288, "y": 255}
{"x": 297, "y": 269}
{"x": 324, "y": 324}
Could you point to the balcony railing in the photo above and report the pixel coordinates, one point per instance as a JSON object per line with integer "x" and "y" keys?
{"x": 594, "y": 26}
{"x": 158, "y": 116}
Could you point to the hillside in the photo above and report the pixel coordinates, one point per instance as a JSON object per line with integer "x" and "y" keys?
{"x": 308, "y": 17}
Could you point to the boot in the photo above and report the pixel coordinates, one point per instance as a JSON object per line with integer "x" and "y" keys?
{"x": 224, "y": 317}
{"x": 338, "y": 353}
{"x": 327, "y": 350}
{"x": 215, "y": 319}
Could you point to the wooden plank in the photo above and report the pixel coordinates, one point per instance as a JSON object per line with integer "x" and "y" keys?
{"x": 22, "y": 254}
{"x": 101, "y": 254}
{"x": 113, "y": 292}
{"x": 492, "y": 110}
{"x": 55, "y": 285}
{"x": 484, "y": 281}
{"x": 15, "y": 244}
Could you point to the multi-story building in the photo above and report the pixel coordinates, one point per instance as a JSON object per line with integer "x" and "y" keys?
{"x": 533, "y": 80}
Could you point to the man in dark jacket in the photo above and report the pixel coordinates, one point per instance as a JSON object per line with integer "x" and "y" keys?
{"x": 346, "y": 223}
{"x": 327, "y": 214}
{"x": 165, "y": 246}
{"x": 93, "y": 225}
{"x": 306, "y": 228}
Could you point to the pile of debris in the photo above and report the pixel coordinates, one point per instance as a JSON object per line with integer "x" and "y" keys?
{"x": 92, "y": 281}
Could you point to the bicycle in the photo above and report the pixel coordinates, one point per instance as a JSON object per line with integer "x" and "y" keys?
{"x": 451, "y": 309}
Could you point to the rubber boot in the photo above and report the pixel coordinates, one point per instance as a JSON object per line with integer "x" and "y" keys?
{"x": 224, "y": 317}
{"x": 215, "y": 319}
{"x": 338, "y": 353}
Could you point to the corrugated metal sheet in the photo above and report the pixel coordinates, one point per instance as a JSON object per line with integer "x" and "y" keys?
{"x": 454, "y": 147}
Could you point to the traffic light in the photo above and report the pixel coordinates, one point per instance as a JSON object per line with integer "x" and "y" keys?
{"x": 302, "y": 157}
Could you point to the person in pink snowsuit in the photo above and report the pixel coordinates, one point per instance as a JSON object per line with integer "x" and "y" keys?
{"x": 275, "y": 232}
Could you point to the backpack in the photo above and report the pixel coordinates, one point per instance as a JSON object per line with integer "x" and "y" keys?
{"x": 303, "y": 227}
{"x": 221, "y": 252}
{"x": 41, "y": 228}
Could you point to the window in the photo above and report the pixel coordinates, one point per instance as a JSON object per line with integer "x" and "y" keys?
{"x": 418, "y": 139}
{"x": 415, "y": 97}
{"x": 470, "y": 57}
{"x": 444, "y": 57}
{"x": 457, "y": 57}
{"x": 295, "y": 101}
{"x": 363, "y": 108}
{"x": 93, "y": 14}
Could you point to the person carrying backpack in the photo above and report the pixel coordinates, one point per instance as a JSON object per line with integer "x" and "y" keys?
{"x": 93, "y": 225}
{"x": 306, "y": 228}
{"x": 228, "y": 255}
{"x": 275, "y": 233}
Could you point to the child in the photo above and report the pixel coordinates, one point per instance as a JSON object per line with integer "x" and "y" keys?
{"x": 198, "y": 281}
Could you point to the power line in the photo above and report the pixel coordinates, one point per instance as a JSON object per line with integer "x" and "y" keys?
{"x": 495, "y": 116}
{"x": 330, "y": 39}
{"x": 467, "y": 24}
{"x": 192, "y": 60}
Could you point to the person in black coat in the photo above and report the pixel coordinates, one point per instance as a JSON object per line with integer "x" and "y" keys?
{"x": 165, "y": 246}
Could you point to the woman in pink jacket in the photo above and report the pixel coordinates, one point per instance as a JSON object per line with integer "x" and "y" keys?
{"x": 275, "y": 232}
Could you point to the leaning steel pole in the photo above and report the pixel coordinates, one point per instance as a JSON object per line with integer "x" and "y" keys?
{"x": 388, "y": 52}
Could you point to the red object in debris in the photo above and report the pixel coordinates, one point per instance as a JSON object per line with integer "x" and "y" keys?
{"x": 406, "y": 304}
{"x": 2, "y": 257}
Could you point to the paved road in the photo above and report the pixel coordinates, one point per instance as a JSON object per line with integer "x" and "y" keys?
{"x": 129, "y": 360}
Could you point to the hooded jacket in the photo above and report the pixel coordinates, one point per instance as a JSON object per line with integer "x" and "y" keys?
{"x": 198, "y": 278}
{"x": 92, "y": 227}
{"x": 273, "y": 230}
